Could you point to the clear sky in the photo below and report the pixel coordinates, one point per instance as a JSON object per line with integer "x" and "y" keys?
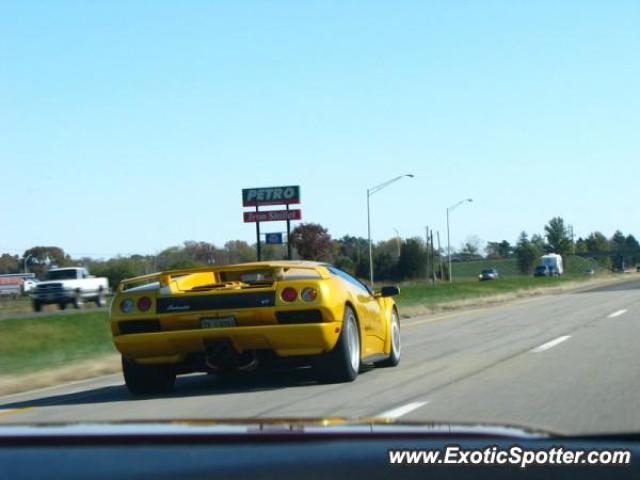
{"x": 132, "y": 126}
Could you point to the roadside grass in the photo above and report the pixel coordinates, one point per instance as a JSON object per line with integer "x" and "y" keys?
{"x": 52, "y": 341}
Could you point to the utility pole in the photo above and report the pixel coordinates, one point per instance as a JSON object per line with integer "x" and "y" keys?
{"x": 433, "y": 261}
{"x": 426, "y": 249}
{"x": 439, "y": 253}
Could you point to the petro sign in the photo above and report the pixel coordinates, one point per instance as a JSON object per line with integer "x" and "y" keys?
{"x": 255, "y": 197}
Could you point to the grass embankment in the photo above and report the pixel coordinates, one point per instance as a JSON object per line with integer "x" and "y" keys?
{"x": 30, "y": 345}
{"x": 421, "y": 297}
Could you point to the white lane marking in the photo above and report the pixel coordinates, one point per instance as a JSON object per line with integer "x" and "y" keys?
{"x": 617, "y": 313}
{"x": 551, "y": 344}
{"x": 402, "y": 410}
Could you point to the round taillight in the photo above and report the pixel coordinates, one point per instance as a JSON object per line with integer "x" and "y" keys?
{"x": 144, "y": 304}
{"x": 126, "y": 305}
{"x": 289, "y": 294}
{"x": 309, "y": 294}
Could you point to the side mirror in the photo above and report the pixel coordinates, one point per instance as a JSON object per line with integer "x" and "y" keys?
{"x": 389, "y": 291}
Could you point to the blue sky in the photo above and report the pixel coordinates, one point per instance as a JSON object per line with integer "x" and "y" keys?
{"x": 132, "y": 126}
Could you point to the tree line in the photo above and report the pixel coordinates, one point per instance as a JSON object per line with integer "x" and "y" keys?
{"x": 393, "y": 259}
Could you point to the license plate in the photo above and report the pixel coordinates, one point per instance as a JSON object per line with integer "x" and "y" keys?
{"x": 220, "y": 322}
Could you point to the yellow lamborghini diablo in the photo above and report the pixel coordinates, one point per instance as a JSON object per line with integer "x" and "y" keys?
{"x": 239, "y": 317}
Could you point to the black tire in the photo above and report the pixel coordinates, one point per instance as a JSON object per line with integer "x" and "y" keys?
{"x": 341, "y": 364}
{"x": 147, "y": 379}
{"x": 37, "y": 306}
{"x": 78, "y": 301}
{"x": 63, "y": 306}
{"x": 396, "y": 346}
{"x": 100, "y": 299}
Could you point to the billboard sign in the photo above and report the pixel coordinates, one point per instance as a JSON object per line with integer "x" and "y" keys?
{"x": 272, "y": 216}
{"x": 257, "y": 197}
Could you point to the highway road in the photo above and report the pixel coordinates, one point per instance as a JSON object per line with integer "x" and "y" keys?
{"x": 568, "y": 363}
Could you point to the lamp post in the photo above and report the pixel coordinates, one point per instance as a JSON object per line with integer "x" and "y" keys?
{"x": 25, "y": 262}
{"x": 451, "y": 209}
{"x": 371, "y": 191}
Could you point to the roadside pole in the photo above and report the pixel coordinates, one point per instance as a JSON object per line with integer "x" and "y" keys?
{"x": 288, "y": 235}
{"x": 258, "y": 249}
{"x": 439, "y": 254}
{"x": 426, "y": 249}
{"x": 433, "y": 261}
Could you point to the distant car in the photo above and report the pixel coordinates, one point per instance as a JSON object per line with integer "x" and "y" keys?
{"x": 489, "y": 274}
{"x": 589, "y": 271}
{"x": 542, "y": 271}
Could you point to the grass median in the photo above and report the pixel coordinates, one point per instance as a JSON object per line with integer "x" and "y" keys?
{"x": 29, "y": 345}
{"x": 422, "y": 297}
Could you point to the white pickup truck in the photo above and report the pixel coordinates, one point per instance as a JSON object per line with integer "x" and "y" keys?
{"x": 69, "y": 285}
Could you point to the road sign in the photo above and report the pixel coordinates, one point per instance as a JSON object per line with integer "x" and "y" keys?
{"x": 257, "y": 197}
{"x": 273, "y": 238}
{"x": 272, "y": 216}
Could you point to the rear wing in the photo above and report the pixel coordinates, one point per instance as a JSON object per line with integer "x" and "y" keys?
{"x": 165, "y": 279}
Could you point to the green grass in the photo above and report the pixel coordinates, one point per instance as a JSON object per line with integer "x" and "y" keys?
{"x": 43, "y": 342}
{"x": 421, "y": 293}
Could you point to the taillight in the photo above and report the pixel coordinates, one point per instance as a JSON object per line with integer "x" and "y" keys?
{"x": 309, "y": 294}
{"x": 126, "y": 305}
{"x": 144, "y": 304}
{"x": 289, "y": 294}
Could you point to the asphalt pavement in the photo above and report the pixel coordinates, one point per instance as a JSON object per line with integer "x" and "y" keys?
{"x": 568, "y": 363}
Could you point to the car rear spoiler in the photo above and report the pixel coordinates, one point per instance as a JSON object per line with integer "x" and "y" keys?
{"x": 165, "y": 278}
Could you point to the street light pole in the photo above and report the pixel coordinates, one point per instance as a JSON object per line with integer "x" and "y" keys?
{"x": 25, "y": 262}
{"x": 371, "y": 191}
{"x": 451, "y": 209}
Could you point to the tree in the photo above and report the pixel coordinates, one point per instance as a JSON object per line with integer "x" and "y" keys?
{"x": 238, "y": 251}
{"x": 471, "y": 248}
{"x": 526, "y": 253}
{"x": 617, "y": 241}
{"x": 631, "y": 244}
{"x": 581, "y": 245}
{"x": 538, "y": 242}
{"x": 495, "y": 250}
{"x": 9, "y": 263}
{"x": 203, "y": 253}
{"x": 40, "y": 259}
{"x": 597, "y": 242}
{"x": 412, "y": 261}
{"x": 558, "y": 237}
{"x": 384, "y": 265}
{"x": 312, "y": 241}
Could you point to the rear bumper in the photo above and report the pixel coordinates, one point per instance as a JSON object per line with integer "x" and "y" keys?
{"x": 284, "y": 340}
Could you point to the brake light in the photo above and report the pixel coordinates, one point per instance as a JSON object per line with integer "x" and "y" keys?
{"x": 144, "y": 304}
{"x": 126, "y": 305}
{"x": 289, "y": 294}
{"x": 309, "y": 294}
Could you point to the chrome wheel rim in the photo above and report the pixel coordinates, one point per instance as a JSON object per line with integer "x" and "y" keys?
{"x": 395, "y": 334}
{"x": 353, "y": 342}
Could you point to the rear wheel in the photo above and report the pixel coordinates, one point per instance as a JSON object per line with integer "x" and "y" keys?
{"x": 396, "y": 345}
{"x": 77, "y": 300}
{"x": 343, "y": 362}
{"x": 62, "y": 305}
{"x": 100, "y": 300}
{"x": 145, "y": 379}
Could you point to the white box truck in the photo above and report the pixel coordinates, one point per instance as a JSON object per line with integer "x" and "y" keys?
{"x": 553, "y": 262}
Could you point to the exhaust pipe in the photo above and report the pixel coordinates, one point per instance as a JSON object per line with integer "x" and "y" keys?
{"x": 221, "y": 356}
